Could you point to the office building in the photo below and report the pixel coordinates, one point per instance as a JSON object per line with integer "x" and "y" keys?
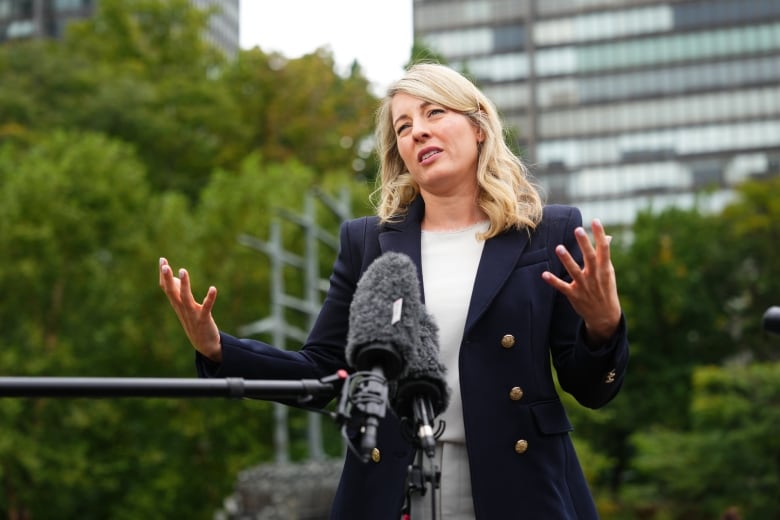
{"x": 623, "y": 104}
{"x": 48, "y": 19}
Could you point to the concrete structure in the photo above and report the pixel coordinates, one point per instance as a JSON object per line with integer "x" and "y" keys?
{"x": 48, "y": 18}
{"x": 622, "y": 104}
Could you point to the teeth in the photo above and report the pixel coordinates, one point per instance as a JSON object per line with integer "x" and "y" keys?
{"x": 429, "y": 154}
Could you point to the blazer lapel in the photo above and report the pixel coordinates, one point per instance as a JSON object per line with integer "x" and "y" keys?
{"x": 499, "y": 258}
{"x": 404, "y": 237}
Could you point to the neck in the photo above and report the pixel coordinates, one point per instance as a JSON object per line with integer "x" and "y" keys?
{"x": 450, "y": 213}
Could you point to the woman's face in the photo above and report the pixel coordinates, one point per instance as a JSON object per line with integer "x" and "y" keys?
{"x": 438, "y": 146}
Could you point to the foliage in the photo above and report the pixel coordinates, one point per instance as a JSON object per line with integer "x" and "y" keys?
{"x": 693, "y": 287}
{"x": 139, "y": 71}
{"x": 300, "y": 109}
{"x": 728, "y": 458}
{"x": 673, "y": 291}
{"x": 73, "y": 213}
{"x": 127, "y": 141}
{"x": 753, "y": 233}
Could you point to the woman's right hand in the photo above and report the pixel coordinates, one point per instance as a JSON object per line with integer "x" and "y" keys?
{"x": 196, "y": 318}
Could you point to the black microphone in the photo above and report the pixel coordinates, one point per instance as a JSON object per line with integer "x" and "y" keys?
{"x": 771, "y": 320}
{"x": 422, "y": 392}
{"x": 383, "y": 331}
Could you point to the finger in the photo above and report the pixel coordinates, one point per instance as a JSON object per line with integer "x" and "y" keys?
{"x": 571, "y": 266}
{"x": 167, "y": 280}
{"x": 588, "y": 253}
{"x": 208, "y": 301}
{"x": 601, "y": 239}
{"x": 555, "y": 282}
{"x": 185, "y": 289}
{"x": 163, "y": 268}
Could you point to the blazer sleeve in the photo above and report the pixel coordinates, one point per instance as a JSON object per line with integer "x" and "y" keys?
{"x": 593, "y": 376}
{"x": 323, "y": 352}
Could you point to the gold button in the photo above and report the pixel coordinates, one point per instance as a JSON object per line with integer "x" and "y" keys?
{"x": 508, "y": 341}
{"x": 376, "y": 455}
{"x": 521, "y": 446}
{"x": 516, "y": 393}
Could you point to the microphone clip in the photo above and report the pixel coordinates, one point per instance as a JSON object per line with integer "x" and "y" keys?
{"x": 419, "y": 430}
{"x": 363, "y": 402}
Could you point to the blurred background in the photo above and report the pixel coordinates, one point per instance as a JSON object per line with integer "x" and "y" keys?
{"x": 135, "y": 129}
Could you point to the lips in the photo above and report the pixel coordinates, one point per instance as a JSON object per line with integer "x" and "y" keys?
{"x": 427, "y": 153}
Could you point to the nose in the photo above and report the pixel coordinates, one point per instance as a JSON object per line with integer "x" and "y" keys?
{"x": 420, "y": 129}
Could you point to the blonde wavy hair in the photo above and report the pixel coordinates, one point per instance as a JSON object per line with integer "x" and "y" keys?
{"x": 506, "y": 194}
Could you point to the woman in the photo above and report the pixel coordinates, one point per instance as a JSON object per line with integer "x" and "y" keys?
{"x": 511, "y": 285}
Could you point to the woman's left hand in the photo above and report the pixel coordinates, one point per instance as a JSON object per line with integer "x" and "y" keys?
{"x": 593, "y": 288}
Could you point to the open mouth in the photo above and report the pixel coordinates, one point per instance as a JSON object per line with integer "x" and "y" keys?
{"x": 427, "y": 154}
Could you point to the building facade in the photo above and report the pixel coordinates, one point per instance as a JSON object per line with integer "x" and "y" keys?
{"x": 48, "y": 19}
{"x": 621, "y": 105}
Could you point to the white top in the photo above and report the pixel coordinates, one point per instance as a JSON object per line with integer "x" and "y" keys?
{"x": 449, "y": 267}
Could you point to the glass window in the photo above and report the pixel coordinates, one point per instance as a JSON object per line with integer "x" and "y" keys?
{"x": 551, "y": 62}
{"x": 508, "y": 96}
{"x": 711, "y": 12}
{"x": 670, "y": 111}
{"x": 495, "y": 68}
{"x": 657, "y": 50}
{"x": 598, "y": 26}
{"x": 431, "y": 16}
{"x": 508, "y": 38}
{"x": 553, "y": 31}
{"x": 24, "y": 9}
{"x": 576, "y": 153}
{"x": 20, "y": 29}
{"x": 558, "y": 92}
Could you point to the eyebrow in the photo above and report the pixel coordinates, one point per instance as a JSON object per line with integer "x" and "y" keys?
{"x": 421, "y": 106}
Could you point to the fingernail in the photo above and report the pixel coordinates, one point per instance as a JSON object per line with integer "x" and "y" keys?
{"x": 560, "y": 250}
{"x": 609, "y": 239}
{"x": 182, "y": 272}
{"x": 162, "y": 260}
{"x": 580, "y": 231}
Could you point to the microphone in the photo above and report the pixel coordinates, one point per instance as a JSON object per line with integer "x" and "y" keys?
{"x": 771, "y": 320}
{"x": 383, "y": 331}
{"x": 422, "y": 392}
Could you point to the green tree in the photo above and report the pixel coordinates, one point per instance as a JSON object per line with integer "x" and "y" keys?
{"x": 728, "y": 458}
{"x": 138, "y": 70}
{"x": 245, "y": 203}
{"x": 673, "y": 279}
{"x": 128, "y": 141}
{"x": 694, "y": 288}
{"x": 80, "y": 234}
{"x": 751, "y": 220}
{"x": 302, "y": 109}
{"x": 157, "y": 84}
{"x": 72, "y": 228}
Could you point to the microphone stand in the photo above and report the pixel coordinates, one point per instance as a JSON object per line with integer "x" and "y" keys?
{"x": 421, "y": 476}
{"x": 231, "y": 387}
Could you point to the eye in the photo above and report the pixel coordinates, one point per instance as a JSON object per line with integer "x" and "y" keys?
{"x": 435, "y": 111}
{"x": 402, "y": 128}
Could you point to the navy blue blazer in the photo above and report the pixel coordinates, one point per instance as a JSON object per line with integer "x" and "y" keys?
{"x": 521, "y": 457}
